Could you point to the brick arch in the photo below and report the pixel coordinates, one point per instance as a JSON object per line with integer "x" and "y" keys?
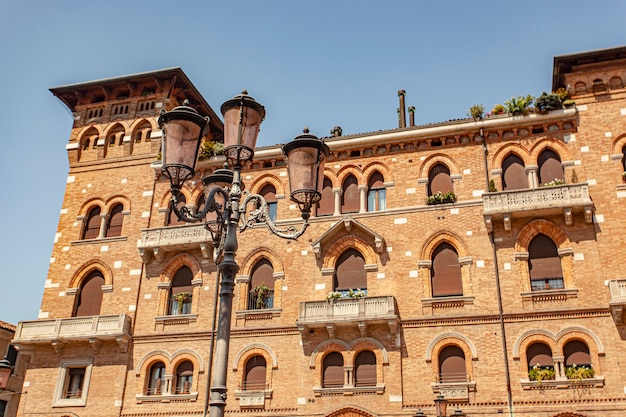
{"x": 113, "y": 125}
{"x": 260, "y": 182}
{"x": 85, "y": 129}
{"x": 254, "y": 349}
{"x": 176, "y": 263}
{"x": 536, "y": 227}
{"x": 549, "y": 143}
{"x": 327, "y": 346}
{"x": 343, "y": 173}
{"x": 351, "y": 411}
{"x": 254, "y": 256}
{"x": 370, "y": 168}
{"x": 191, "y": 355}
{"x": 186, "y": 190}
{"x": 367, "y": 343}
{"x": 531, "y": 336}
{"x": 117, "y": 199}
{"x": 618, "y": 143}
{"x": 443, "y": 236}
{"x": 89, "y": 204}
{"x": 592, "y": 341}
{"x": 451, "y": 338}
{"x": 433, "y": 160}
{"x": 333, "y": 176}
{"x": 511, "y": 148}
{"x": 150, "y": 359}
{"x": 349, "y": 242}
{"x": 138, "y": 122}
{"x": 87, "y": 268}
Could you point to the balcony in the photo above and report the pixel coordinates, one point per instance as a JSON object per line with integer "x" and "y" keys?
{"x": 59, "y": 332}
{"x": 565, "y": 199}
{"x": 348, "y": 312}
{"x": 156, "y": 242}
{"x": 617, "y": 287}
{"x": 454, "y": 387}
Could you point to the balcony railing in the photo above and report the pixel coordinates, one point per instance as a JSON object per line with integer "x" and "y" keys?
{"x": 617, "y": 287}
{"x": 348, "y": 312}
{"x": 565, "y": 199}
{"x": 155, "y": 242}
{"x": 93, "y": 329}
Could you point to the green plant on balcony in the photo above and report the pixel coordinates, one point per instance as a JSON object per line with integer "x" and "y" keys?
{"x": 181, "y": 298}
{"x": 579, "y": 372}
{"x": 333, "y": 295}
{"x": 562, "y": 93}
{"x": 497, "y": 109}
{"x": 519, "y": 105}
{"x": 492, "y": 186}
{"x": 624, "y": 176}
{"x": 476, "y": 112}
{"x": 440, "y": 198}
{"x": 356, "y": 293}
{"x": 210, "y": 148}
{"x": 546, "y": 102}
{"x": 539, "y": 373}
{"x": 261, "y": 294}
{"x": 554, "y": 183}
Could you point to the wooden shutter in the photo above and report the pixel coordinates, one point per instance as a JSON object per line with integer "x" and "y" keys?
{"x": 576, "y": 352}
{"x": 350, "y": 271}
{"x": 543, "y": 258}
{"x": 350, "y": 202}
{"x": 550, "y": 167}
{"x": 326, "y": 206}
{"x": 182, "y": 281}
{"x": 90, "y": 296}
{"x": 114, "y": 227}
{"x": 365, "y": 369}
{"x": 439, "y": 180}
{"x": 446, "y": 272}
{"x": 256, "y": 369}
{"x": 452, "y": 364}
{"x": 155, "y": 383}
{"x": 539, "y": 354}
{"x": 514, "y": 173}
{"x": 333, "y": 370}
{"x": 92, "y": 226}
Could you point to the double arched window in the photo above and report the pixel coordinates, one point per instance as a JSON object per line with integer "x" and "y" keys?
{"x": 114, "y": 225}
{"x": 156, "y": 379}
{"x": 550, "y": 167}
{"x": 91, "y": 230}
{"x": 350, "y": 202}
{"x": 184, "y": 377}
{"x": 326, "y": 206}
{"x": 95, "y": 225}
{"x": 513, "y": 173}
{"x": 336, "y": 375}
{"x": 333, "y": 370}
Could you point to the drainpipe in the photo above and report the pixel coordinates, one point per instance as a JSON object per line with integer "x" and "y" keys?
{"x": 507, "y": 373}
{"x": 402, "y": 109}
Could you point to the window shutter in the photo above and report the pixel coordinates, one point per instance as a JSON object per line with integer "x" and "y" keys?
{"x": 263, "y": 273}
{"x": 576, "y": 352}
{"x": 350, "y": 202}
{"x": 90, "y": 296}
{"x": 326, "y": 206}
{"x": 333, "y": 370}
{"x": 539, "y": 354}
{"x": 439, "y": 180}
{"x": 446, "y": 272}
{"x": 514, "y": 174}
{"x": 365, "y": 373}
{"x": 543, "y": 258}
{"x": 114, "y": 227}
{"x": 550, "y": 167}
{"x": 452, "y": 364}
{"x": 182, "y": 281}
{"x": 350, "y": 272}
{"x": 256, "y": 369}
{"x": 92, "y": 227}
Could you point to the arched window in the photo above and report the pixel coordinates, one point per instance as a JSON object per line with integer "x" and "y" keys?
{"x": 181, "y": 292}
{"x": 365, "y": 369}
{"x": 326, "y": 206}
{"x": 255, "y": 374}
{"x": 172, "y": 219}
{"x": 114, "y": 226}
{"x": 544, "y": 264}
{"x": 550, "y": 167}
{"x": 350, "y": 202}
{"x": 333, "y": 370}
{"x": 624, "y": 158}
{"x": 539, "y": 357}
{"x": 376, "y": 193}
{"x": 439, "y": 180}
{"x": 90, "y": 296}
{"x": 156, "y": 379}
{"x": 92, "y": 224}
{"x": 452, "y": 364}
{"x": 446, "y": 272}
{"x": 269, "y": 194}
{"x": 184, "y": 377}
{"x": 576, "y": 353}
{"x": 514, "y": 173}
{"x": 261, "y": 286}
{"x": 616, "y": 83}
{"x": 350, "y": 272}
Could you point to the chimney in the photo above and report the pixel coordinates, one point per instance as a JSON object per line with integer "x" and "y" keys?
{"x": 402, "y": 109}
{"x": 412, "y": 116}
{"x": 336, "y": 131}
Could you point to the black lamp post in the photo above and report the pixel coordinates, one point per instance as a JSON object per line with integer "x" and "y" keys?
{"x": 183, "y": 129}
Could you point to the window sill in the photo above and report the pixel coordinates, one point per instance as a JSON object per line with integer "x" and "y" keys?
{"x": 595, "y": 382}
{"x": 177, "y": 319}
{"x": 446, "y": 303}
{"x": 456, "y": 391}
{"x": 167, "y": 398}
{"x": 253, "y": 398}
{"x": 549, "y": 296}
{"x": 264, "y": 313}
{"x": 97, "y": 240}
{"x": 346, "y": 390}
{"x": 70, "y": 402}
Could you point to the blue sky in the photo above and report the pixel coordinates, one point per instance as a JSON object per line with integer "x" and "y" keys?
{"x": 318, "y": 64}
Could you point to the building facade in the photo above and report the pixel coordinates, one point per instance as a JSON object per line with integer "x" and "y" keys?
{"x": 477, "y": 259}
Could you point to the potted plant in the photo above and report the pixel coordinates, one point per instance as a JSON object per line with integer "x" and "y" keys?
{"x": 440, "y": 198}
{"x": 260, "y": 294}
{"x": 181, "y": 298}
{"x": 546, "y": 102}
{"x": 579, "y": 372}
{"x": 624, "y": 176}
{"x": 492, "y": 186}
{"x": 554, "y": 183}
{"x": 519, "y": 105}
{"x": 333, "y": 295}
{"x": 356, "y": 294}
{"x": 210, "y": 148}
{"x": 498, "y": 109}
{"x": 539, "y": 373}
{"x": 476, "y": 112}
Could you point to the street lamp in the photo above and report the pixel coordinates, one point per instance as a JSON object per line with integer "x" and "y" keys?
{"x": 441, "y": 405}
{"x": 5, "y": 373}
{"x": 183, "y": 129}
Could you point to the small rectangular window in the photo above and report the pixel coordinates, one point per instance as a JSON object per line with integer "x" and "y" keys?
{"x": 73, "y": 383}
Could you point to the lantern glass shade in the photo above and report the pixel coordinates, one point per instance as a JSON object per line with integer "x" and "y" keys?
{"x": 242, "y": 120}
{"x": 441, "y": 406}
{"x": 5, "y": 373}
{"x": 306, "y": 157}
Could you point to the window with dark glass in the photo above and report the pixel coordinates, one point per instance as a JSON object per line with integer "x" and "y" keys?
{"x": 365, "y": 369}
{"x": 156, "y": 379}
{"x": 624, "y": 158}
{"x": 452, "y": 365}
{"x": 184, "y": 377}
{"x": 326, "y": 206}
{"x": 116, "y": 218}
{"x": 92, "y": 224}
{"x": 3, "y": 407}
{"x": 446, "y": 272}
{"x": 544, "y": 264}
{"x": 376, "y": 193}
{"x": 539, "y": 357}
{"x": 255, "y": 375}
{"x": 74, "y": 381}
{"x": 350, "y": 272}
{"x": 90, "y": 295}
{"x": 350, "y": 202}
{"x": 514, "y": 173}
{"x": 269, "y": 194}
{"x": 261, "y": 294}
{"x": 550, "y": 167}
{"x": 172, "y": 219}
{"x": 333, "y": 370}
{"x": 181, "y": 292}
{"x": 439, "y": 180}
{"x": 576, "y": 354}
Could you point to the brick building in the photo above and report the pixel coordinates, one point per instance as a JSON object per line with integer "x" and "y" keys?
{"x": 480, "y": 260}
